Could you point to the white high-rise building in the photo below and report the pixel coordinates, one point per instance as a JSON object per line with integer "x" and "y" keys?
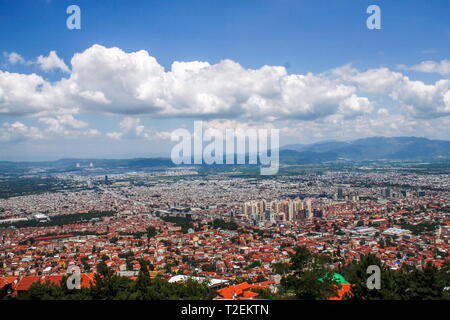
{"x": 309, "y": 212}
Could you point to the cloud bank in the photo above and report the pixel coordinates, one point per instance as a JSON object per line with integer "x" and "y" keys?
{"x": 112, "y": 82}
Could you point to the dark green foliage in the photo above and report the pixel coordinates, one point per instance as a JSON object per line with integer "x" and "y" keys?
{"x": 254, "y": 264}
{"x": 305, "y": 270}
{"x": 356, "y": 274}
{"x": 264, "y": 293}
{"x": 222, "y": 224}
{"x": 407, "y": 283}
{"x": 126, "y": 255}
{"x": 20, "y": 186}
{"x": 280, "y": 268}
{"x": 151, "y": 232}
{"x": 417, "y": 229}
{"x": 109, "y": 286}
{"x": 63, "y": 219}
{"x": 184, "y": 223}
{"x": 209, "y": 267}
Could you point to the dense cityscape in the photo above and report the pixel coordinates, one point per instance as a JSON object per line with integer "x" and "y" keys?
{"x": 227, "y": 231}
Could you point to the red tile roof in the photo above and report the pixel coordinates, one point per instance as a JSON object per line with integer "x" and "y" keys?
{"x": 242, "y": 290}
{"x": 6, "y": 280}
{"x": 26, "y": 282}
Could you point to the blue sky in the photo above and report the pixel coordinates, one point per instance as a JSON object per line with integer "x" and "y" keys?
{"x": 309, "y": 35}
{"x": 327, "y": 39}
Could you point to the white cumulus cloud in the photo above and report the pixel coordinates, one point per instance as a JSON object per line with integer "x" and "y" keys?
{"x": 14, "y": 58}
{"x": 52, "y": 61}
{"x": 111, "y": 81}
{"x": 130, "y": 128}
{"x": 17, "y": 131}
{"x": 67, "y": 126}
{"x": 441, "y": 67}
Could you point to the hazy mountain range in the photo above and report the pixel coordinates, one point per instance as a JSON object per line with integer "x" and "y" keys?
{"x": 374, "y": 148}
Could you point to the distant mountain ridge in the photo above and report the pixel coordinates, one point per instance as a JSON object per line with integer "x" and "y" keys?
{"x": 374, "y": 148}
{"x": 366, "y": 149}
